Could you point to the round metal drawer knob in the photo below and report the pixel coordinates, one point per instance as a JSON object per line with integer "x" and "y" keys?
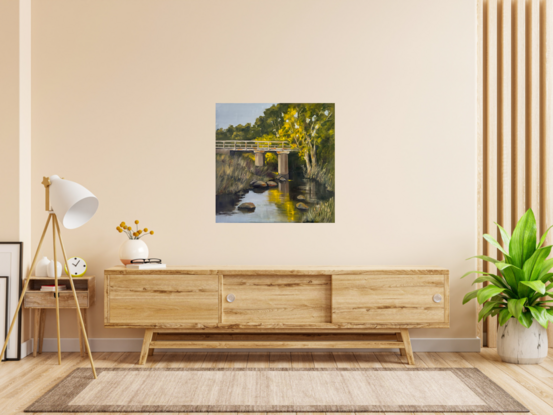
{"x": 437, "y": 298}
{"x": 231, "y": 298}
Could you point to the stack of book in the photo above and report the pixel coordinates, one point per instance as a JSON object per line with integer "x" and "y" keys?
{"x": 52, "y": 288}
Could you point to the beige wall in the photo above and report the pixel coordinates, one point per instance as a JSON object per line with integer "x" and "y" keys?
{"x": 15, "y": 138}
{"x": 124, "y": 97}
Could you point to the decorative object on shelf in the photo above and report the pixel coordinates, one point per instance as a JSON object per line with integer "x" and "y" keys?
{"x": 146, "y": 263}
{"x": 77, "y": 267}
{"x": 50, "y": 268}
{"x": 41, "y": 269}
{"x": 74, "y": 205}
{"x": 134, "y": 248}
{"x": 516, "y": 294}
{"x": 11, "y": 257}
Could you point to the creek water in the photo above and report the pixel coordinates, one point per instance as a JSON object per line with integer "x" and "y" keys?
{"x": 272, "y": 205}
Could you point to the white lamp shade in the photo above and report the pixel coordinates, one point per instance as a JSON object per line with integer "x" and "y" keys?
{"x": 72, "y": 203}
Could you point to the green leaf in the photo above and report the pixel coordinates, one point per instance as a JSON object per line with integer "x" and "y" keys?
{"x": 546, "y": 266}
{"x": 546, "y": 277}
{"x": 532, "y": 267}
{"x": 523, "y": 241}
{"x": 504, "y": 235}
{"x": 549, "y": 312}
{"x": 537, "y": 286}
{"x": 485, "y": 258}
{"x": 492, "y": 240}
{"x": 488, "y": 292}
{"x": 516, "y": 306}
{"x": 470, "y": 296}
{"x": 489, "y": 278}
{"x": 540, "y": 314}
{"x": 511, "y": 273}
{"x": 544, "y": 236}
{"x": 473, "y": 272}
{"x": 487, "y": 309}
{"x": 504, "y": 316}
{"x": 526, "y": 319}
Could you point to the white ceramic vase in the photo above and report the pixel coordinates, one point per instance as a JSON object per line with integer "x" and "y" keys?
{"x": 519, "y": 345}
{"x": 41, "y": 268}
{"x": 50, "y": 269}
{"x": 133, "y": 249}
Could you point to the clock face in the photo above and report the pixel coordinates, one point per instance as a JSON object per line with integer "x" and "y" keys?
{"x": 77, "y": 266}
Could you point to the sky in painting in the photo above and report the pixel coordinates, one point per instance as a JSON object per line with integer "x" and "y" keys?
{"x": 234, "y": 114}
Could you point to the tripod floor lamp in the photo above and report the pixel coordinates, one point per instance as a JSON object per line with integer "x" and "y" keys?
{"x": 74, "y": 205}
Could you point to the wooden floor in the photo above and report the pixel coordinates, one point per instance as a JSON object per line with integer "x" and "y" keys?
{"x": 21, "y": 383}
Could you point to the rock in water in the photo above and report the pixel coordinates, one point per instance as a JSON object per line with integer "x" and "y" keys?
{"x": 247, "y": 206}
{"x": 301, "y": 197}
{"x": 271, "y": 184}
{"x": 302, "y": 206}
{"x": 282, "y": 179}
{"x": 252, "y": 182}
{"x": 259, "y": 184}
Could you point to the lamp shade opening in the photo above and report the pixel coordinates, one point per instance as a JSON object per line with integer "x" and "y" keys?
{"x": 72, "y": 203}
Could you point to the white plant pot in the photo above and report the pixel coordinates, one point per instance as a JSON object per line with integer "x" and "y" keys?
{"x": 519, "y": 345}
{"x": 133, "y": 249}
{"x": 50, "y": 269}
{"x": 41, "y": 268}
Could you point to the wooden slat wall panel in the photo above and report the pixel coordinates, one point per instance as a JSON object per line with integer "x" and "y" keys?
{"x": 480, "y": 153}
{"x": 490, "y": 145}
{"x": 515, "y": 108}
{"x": 546, "y": 120}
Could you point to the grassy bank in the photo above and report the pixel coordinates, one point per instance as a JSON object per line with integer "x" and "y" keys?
{"x": 325, "y": 176}
{"x": 234, "y": 173}
{"x": 321, "y": 213}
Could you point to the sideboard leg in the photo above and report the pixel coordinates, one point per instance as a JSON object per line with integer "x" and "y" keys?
{"x": 146, "y": 346}
{"x": 402, "y": 352}
{"x": 408, "y": 348}
{"x": 151, "y": 351}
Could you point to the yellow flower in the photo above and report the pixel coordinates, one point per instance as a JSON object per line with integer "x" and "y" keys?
{"x": 145, "y": 229}
{"x": 129, "y": 228}
{"x": 135, "y": 234}
{"x": 120, "y": 230}
{"x": 139, "y": 232}
{"x": 136, "y": 222}
{"x": 151, "y": 232}
{"x": 123, "y": 224}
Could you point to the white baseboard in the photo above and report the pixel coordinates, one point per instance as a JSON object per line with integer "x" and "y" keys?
{"x": 135, "y": 345}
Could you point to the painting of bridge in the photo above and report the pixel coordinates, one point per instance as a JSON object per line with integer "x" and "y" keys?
{"x": 274, "y": 163}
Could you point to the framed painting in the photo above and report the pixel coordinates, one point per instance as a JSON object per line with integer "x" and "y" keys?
{"x": 274, "y": 163}
{"x": 10, "y": 290}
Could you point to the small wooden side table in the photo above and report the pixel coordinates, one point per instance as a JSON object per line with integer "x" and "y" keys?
{"x": 40, "y": 301}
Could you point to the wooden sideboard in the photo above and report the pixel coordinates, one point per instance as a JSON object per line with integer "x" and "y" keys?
{"x": 277, "y": 307}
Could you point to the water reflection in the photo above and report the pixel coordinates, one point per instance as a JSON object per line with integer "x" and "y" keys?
{"x": 272, "y": 205}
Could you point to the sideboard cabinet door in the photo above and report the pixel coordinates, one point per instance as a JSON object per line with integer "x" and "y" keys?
{"x": 145, "y": 300}
{"x": 390, "y": 299}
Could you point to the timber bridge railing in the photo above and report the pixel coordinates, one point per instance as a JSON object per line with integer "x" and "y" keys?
{"x": 282, "y": 148}
{"x": 250, "y": 145}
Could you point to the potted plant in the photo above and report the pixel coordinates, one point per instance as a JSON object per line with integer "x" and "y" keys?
{"x": 516, "y": 294}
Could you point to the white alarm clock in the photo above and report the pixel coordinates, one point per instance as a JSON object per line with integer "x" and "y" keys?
{"x": 77, "y": 266}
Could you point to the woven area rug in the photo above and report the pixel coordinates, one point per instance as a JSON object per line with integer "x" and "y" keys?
{"x": 277, "y": 390}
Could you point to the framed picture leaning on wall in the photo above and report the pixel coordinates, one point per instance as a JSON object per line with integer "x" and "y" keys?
{"x": 11, "y": 260}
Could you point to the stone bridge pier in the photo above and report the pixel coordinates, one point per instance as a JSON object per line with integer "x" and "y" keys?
{"x": 282, "y": 161}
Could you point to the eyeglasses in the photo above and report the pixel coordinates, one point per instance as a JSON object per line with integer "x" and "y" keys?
{"x": 146, "y": 261}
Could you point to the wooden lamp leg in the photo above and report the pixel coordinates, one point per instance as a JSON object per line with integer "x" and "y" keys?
{"x": 56, "y": 291}
{"x": 25, "y": 287}
{"x": 85, "y": 337}
{"x": 42, "y": 326}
